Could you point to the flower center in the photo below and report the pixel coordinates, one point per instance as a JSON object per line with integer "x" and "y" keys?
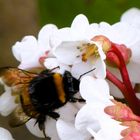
{"x": 88, "y": 50}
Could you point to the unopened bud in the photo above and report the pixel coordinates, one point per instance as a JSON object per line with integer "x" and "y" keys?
{"x": 106, "y": 43}
{"x": 114, "y": 60}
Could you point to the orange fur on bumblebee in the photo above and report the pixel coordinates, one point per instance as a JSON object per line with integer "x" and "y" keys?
{"x": 39, "y": 93}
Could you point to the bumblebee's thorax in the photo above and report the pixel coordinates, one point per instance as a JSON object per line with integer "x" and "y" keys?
{"x": 51, "y": 91}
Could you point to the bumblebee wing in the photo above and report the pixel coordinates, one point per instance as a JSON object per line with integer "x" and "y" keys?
{"x": 18, "y": 117}
{"x": 14, "y": 76}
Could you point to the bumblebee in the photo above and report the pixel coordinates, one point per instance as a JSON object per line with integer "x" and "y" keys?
{"x": 39, "y": 94}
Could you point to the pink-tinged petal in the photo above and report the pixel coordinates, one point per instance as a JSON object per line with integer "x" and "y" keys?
{"x": 132, "y": 136}
{"x": 132, "y": 132}
{"x": 45, "y": 35}
{"x": 80, "y": 24}
{"x": 93, "y": 85}
{"x": 121, "y": 112}
{"x": 67, "y": 131}
{"x": 5, "y": 134}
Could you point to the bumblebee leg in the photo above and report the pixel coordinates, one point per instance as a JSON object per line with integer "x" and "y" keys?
{"x": 54, "y": 115}
{"x": 41, "y": 120}
{"x": 73, "y": 100}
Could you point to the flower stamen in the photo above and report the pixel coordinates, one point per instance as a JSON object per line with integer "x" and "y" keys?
{"x": 88, "y": 51}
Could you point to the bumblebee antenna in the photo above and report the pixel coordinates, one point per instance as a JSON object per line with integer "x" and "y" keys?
{"x": 58, "y": 67}
{"x": 86, "y": 73}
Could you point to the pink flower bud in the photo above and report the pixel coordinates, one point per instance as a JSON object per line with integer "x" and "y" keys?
{"x": 106, "y": 43}
{"x": 113, "y": 59}
{"x": 121, "y": 112}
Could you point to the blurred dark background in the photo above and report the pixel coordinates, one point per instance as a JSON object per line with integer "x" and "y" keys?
{"x": 25, "y": 17}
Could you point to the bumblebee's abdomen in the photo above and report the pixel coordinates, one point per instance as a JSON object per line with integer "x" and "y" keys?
{"x": 47, "y": 92}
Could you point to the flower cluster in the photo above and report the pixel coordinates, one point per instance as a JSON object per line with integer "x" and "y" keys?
{"x": 106, "y": 60}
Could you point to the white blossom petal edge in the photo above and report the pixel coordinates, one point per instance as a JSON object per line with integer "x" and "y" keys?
{"x": 29, "y": 50}
{"x": 7, "y": 101}
{"x": 92, "y": 117}
{"x": 127, "y": 17}
{"x": 5, "y": 134}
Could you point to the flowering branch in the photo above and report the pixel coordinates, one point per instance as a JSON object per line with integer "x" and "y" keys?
{"x": 125, "y": 86}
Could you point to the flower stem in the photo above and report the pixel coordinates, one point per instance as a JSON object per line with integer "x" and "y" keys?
{"x": 126, "y": 86}
{"x": 111, "y": 77}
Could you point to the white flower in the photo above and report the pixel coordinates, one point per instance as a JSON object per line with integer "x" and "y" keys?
{"x": 7, "y": 101}
{"x": 67, "y": 113}
{"x": 29, "y": 50}
{"x": 132, "y": 16}
{"x": 52, "y": 63}
{"x": 91, "y": 117}
{"x": 67, "y": 131}
{"x": 73, "y": 44}
{"x": 122, "y": 33}
{"x": 5, "y": 134}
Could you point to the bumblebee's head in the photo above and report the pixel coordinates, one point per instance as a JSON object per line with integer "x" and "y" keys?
{"x": 71, "y": 84}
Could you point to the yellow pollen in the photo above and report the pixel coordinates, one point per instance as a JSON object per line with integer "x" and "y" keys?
{"x": 89, "y": 50}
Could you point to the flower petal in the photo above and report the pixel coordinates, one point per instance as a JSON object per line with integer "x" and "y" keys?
{"x": 107, "y": 133}
{"x": 34, "y": 129}
{"x": 44, "y": 36}
{"x": 50, "y": 128}
{"x": 68, "y": 49}
{"x": 5, "y": 134}
{"x": 68, "y": 112}
{"x": 94, "y": 88}
{"x": 7, "y": 102}
{"x": 51, "y": 63}
{"x": 27, "y": 52}
{"x": 135, "y": 52}
{"x": 80, "y": 23}
{"x": 134, "y": 71}
{"x": 27, "y": 43}
{"x": 127, "y": 17}
{"x": 66, "y": 131}
{"x": 79, "y": 69}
